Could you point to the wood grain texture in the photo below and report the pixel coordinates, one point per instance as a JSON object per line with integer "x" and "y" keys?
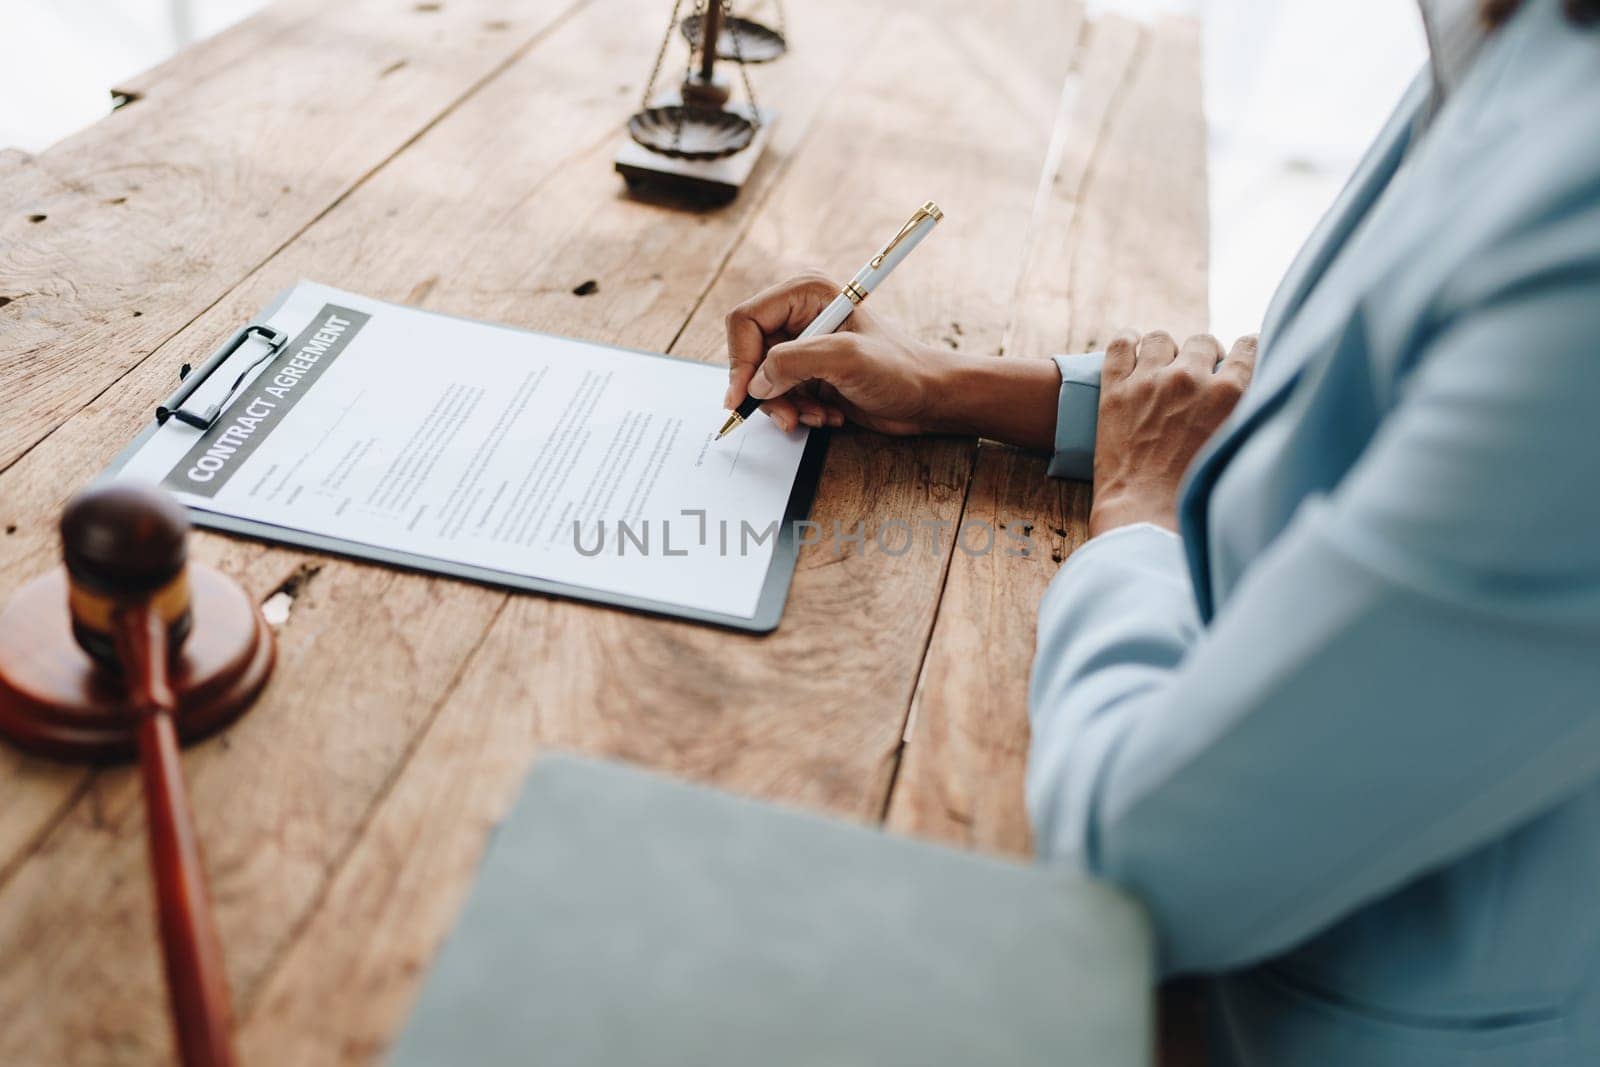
{"x": 1121, "y": 242}
{"x": 120, "y": 235}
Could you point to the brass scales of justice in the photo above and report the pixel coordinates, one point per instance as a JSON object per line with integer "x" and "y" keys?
{"x": 698, "y": 144}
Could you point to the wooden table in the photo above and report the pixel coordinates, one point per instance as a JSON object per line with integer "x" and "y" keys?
{"x": 456, "y": 156}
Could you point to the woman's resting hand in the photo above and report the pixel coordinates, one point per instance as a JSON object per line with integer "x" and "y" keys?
{"x": 1158, "y": 404}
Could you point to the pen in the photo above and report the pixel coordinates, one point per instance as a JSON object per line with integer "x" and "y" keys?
{"x": 855, "y": 291}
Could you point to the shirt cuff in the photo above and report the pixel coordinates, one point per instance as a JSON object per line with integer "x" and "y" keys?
{"x": 1077, "y": 416}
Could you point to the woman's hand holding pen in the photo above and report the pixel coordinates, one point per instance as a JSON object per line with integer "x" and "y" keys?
{"x": 868, "y": 372}
{"x": 872, "y": 374}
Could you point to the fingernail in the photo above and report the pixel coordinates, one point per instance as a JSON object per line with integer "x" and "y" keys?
{"x": 760, "y": 385}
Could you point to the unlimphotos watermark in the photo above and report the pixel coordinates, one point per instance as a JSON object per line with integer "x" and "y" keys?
{"x": 694, "y": 531}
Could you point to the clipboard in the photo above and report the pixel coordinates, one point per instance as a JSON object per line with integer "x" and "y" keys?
{"x": 771, "y": 599}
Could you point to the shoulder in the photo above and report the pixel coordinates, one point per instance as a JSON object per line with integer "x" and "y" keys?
{"x": 1537, "y": 200}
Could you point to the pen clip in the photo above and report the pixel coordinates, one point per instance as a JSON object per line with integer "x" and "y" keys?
{"x": 930, "y": 210}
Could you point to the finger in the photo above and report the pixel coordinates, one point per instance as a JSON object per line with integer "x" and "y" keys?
{"x": 782, "y": 411}
{"x": 1199, "y": 354}
{"x": 827, "y": 410}
{"x": 783, "y": 308}
{"x": 1120, "y": 355}
{"x": 1240, "y": 362}
{"x": 793, "y": 362}
{"x": 1244, "y": 352}
{"x": 1156, "y": 350}
{"x": 739, "y": 375}
{"x": 811, "y": 411}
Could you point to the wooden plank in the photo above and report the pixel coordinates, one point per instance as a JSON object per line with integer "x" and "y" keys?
{"x": 276, "y": 26}
{"x": 1123, "y": 244}
{"x": 1140, "y": 256}
{"x": 1042, "y": 305}
{"x": 122, "y": 234}
{"x": 810, "y": 715}
{"x": 480, "y": 217}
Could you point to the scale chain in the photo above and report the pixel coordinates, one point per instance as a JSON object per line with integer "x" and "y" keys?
{"x": 661, "y": 56}
{"x": 680, "y": 112}
{"x": 688, "y": 72}
{"x": 744, "y": 69}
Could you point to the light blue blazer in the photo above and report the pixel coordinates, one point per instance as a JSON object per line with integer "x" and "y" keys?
{"x": 1343, "y": 736}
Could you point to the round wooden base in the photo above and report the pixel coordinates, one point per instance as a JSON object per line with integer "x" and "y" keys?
{"x": 55, "y": 701}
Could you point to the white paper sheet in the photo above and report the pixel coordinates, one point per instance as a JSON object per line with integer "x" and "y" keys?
{"x": 488, "y": 446}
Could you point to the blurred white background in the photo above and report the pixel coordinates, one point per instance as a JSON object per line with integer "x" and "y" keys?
{"x": 1294, "y": 90}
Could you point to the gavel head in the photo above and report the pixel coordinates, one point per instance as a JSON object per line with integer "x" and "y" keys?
{"x": 126, "y": 547}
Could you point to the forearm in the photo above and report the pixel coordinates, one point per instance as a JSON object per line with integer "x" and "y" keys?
{"x": 1009, "y": 400}
{"x": 1116, "y": 622}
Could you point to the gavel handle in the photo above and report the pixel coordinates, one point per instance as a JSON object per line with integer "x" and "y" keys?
{"x": 196, "y": 979}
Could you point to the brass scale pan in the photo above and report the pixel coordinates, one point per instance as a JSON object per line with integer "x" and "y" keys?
{"x": 688, "y": 132}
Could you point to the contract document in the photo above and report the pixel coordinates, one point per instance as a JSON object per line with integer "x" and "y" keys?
{"x": 357, "y": 426}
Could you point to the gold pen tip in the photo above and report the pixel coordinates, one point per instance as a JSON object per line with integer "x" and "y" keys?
{"x": 734, "y": 419}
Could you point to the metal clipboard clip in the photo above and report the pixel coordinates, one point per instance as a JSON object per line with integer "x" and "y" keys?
{"x": 192, "y": 380}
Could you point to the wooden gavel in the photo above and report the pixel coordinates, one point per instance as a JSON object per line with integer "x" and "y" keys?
{"x": 123, "y": 652}
{"x": 127, "y": 557}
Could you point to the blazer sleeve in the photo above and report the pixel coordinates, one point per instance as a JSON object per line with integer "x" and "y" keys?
{"x": 1077, "y": 416}
{"x": 1407, "y": 673}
